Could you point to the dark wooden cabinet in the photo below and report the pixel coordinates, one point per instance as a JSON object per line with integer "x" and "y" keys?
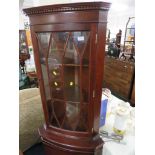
{"x": 118, "y": 77}
{"x": 23, "y": 44}
{"x": 133, "y": 94}
{"x": 69, "y": 43}
{"x": 23, "y": 49}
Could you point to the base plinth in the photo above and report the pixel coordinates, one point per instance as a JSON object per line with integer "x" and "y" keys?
{"x": 58, "y": 144}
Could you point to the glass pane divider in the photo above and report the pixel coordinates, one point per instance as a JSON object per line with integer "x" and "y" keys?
{"x": 61, "y": 100}
{"x": 85, "y": 45}
{"x": 72, "y": 65}
{"x": 63, "y": 76}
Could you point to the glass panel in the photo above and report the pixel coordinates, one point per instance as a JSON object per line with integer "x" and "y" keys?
{"x": 72, "y": 83}
{"x": 43, "y": 39}
{"x": 55, "y": 55}
{"x": 57, "y": 112}
{"x": 55, "y": 65}
{"x": 85, "y": 84}
{"x": 65, "y": 69}
{"x": 85, "y": 74}
{"x": 72, "y": 116}
{"x": 55, "y": 77}
{"x": 60, "y": 38}
{"x": 71, "y": 54}
{"x": 86, "y": 54}
{"x": 57, "y": 90}
{"x": 83, "y": 118}
{"x": 46, "y": 82}
{"x": 80, "y": 40}
{"x": 43, "y": 42}
{"x": 55, "y": 72}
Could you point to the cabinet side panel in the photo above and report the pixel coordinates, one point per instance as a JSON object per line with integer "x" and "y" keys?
{"x": 92, "y": 74}
{"x": 99, "y": 73}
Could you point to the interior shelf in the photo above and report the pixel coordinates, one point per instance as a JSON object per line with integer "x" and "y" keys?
{"x": 61, "y": 100}
{"x": 71, "y": 65}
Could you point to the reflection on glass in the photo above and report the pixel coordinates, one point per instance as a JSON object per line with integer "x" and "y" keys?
{"x": 57, "y": 90}
{"x": 80, "y": 40}
{"x": 72, "y": 116}
{"x": 55, "y": 55}
{"x": 86, "y": 54}
{"x": 83, "y": 119}
{"x": 56, "y": 73}
{"x": 43, "y": 41}
{"x": 71, "y": 54}
{"x": 60, "y": 39}
{"x": 57, "y": 112}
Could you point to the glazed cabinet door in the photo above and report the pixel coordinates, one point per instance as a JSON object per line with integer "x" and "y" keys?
{"x": 65, "y": 62}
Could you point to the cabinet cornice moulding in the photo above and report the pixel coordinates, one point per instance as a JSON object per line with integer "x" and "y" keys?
{"x": 67, "y": 7}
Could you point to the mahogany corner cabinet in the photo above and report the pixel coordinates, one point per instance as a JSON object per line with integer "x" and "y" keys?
{"x": 69, "y": 45}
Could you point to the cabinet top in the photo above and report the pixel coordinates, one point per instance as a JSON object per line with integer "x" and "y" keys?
{"x": 67, "y": 7}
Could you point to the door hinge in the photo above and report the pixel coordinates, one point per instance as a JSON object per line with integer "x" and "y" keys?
{"x": 96, "y": 40}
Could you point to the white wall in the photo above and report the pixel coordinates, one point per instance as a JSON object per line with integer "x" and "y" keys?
{"x": 32, "y": 3}
{"x": 21, "y": 18}
{"x": 118, "y": 16}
